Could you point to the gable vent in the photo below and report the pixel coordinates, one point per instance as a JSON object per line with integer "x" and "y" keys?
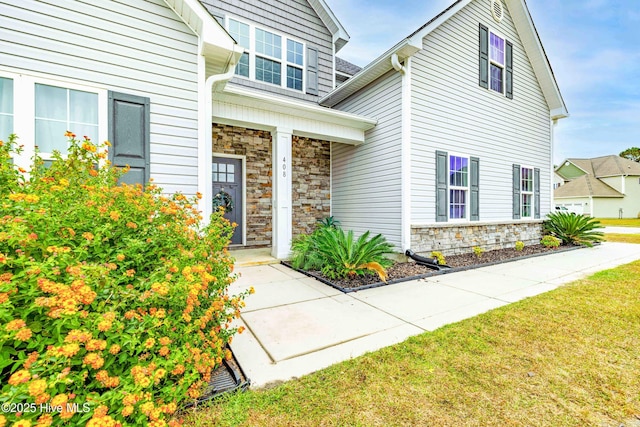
{"x": 497, "y": 10}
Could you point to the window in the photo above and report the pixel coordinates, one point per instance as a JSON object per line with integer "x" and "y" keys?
{"x": 269, "y": 57}
{"x": 223, "y": 172}
{"x": 59, "y": 109}
{"x": 496, "y": 62}
{"x": 6, "y": 107}
{"x": 526, "y": 192}
{"x": 240, "y": 32}
{"x": 294, "y": 66}
{"x": 458, "y": 187}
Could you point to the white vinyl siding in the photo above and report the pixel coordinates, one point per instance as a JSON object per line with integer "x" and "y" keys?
{"x": 366, "y": 179}
{"x": 137, "y": 47}
{"x": 450, "y": 112}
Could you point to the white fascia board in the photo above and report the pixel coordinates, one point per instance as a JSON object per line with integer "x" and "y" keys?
{"x": 216, "y": 44}
{"x": 340, "y": 35}
{"x": 302, "y": 114}
{"x": 539, "y": 61}
{"x": 371, "y": 72}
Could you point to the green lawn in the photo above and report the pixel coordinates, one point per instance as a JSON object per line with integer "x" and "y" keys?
{"x": 565, "y": 358}
{"x": 622, "y": 238}
{"x": 614, "y": 222}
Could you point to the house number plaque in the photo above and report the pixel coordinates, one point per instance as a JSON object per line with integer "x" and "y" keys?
{"x": 284, "y": 167}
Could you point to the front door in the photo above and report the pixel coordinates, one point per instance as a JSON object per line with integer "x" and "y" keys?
{"x": 227, "y": 192}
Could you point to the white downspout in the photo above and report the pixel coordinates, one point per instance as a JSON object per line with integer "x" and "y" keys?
{"x": 206, "y": 146}
{"x": 395, "y": 62}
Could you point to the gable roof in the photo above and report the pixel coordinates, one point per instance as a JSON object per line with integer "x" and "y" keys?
{"x": 340, "y": 35}
{"x": 413, "y": 43}
{"x": 585, "y": 186}
{"x": 604, "y": 166}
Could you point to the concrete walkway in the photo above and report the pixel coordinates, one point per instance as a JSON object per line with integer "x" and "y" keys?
{"x": 297, "y": 325}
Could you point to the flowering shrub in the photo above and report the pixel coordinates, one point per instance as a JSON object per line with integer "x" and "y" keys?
{"x": 113, "y": 301}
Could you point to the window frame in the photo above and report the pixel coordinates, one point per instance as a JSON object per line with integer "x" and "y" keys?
{"x": 283, "y": 61}
{"x": 466, "y": 189}
{"x": 530, "y": 193}
{"x": 503, "y": 66}
{"x": 24, "y": 108}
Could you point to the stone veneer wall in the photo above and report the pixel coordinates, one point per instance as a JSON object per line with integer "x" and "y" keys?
{"x": 255, "y": 145}
{"x": 311, "y": 182}
{"x": 454, "y": 239}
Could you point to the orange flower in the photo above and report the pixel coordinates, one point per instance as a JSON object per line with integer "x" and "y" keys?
{"x": 114, "y": 349}
{"x": 37, "y": 387}
{"x": 164, "y": 341}
{"x": 88, "y": 236}
{"x": 19, "y": 377}
{"x": 94, "y": 360}
{"x": 94, "y": 345}
{"x": 24, "y": 334}
{"x": 130, "y": 272}
{"x": 149, "y": 342}
{"x": 69, "y": 134}
{"x": 132, "y": 225}
{"x": 104, "y": 325}
{"x": 16, "y": 324}
{"x": 163, "y": 351}
{"x": 45, "y": 420}
{"x": 120, "y": 257}
{"x": 127, "y": 410}
{"x": 115, "y": 215}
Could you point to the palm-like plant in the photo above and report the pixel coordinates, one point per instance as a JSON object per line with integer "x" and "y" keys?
{"x": 344, "y": 256}
{"x": 573, "y": 229}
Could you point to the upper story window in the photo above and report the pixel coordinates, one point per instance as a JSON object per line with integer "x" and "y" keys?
{"x": 269, "y": 57}
{"x": 6, "y": 107}
{"x": 496, "y": 62}
{"x": 240, "y": 32}
{"x": 59, "y": 109}
{"x": 458, "y": 187}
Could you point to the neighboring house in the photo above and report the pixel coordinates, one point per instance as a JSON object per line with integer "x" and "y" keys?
{"x": 444, "y": 142}
{"x": 604, "y": 187}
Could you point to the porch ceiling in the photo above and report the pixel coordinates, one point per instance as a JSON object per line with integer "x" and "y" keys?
{"x": 240, "y": 106}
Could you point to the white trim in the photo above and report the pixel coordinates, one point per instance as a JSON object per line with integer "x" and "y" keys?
{"x": 503, "y": 66}
{"x": 467, "y": 189}
{"x": 244, "y": 188}
{"x": 24, "y": 108}
{"x": 282, "y": 205}
{"x": 531, "y": 193}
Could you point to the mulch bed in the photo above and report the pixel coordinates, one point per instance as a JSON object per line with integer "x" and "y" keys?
{"x": 404, "y": 271}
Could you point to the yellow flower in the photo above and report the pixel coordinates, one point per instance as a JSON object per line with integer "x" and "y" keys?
{"x": 127, "y": 410}
{"x": 120, "y": 257}
{"x": 45, "y": 420}
{"x": 37, "y": 387}
{"x": 114, "y": 349}
{"x": 15, "y": 325}
{"x": 59, "y": 400}
{"x": 22, "y": 423}
{"x": 19, "y": 377}
{"x": 115, "y": 215}
{"x": 24, "y": 334}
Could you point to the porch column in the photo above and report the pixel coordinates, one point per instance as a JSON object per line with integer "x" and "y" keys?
{"x": 282, "y": 200}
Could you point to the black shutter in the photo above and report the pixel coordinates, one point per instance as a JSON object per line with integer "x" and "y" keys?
{"x": 441, "y": 186}
{"x": 130, "y": 136}
{"x": 536, "y": 193}
{"x": 516, "y": 191}
{"x": 484, "y": 57}
{"x": 509, "y": 77}
{"x": 312, "y": 71}
{"x": 475, "y": 189}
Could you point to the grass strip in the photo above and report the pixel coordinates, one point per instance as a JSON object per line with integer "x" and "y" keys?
{"x": 568, "y": 357}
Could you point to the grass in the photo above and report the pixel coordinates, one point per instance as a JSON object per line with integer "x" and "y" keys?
{"x": 615, "y": 222}
{"x": 565, "y": 358}
{"x": 622, "y": 238}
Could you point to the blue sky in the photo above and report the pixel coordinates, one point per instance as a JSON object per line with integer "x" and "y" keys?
{"x": 593, "y": 47}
